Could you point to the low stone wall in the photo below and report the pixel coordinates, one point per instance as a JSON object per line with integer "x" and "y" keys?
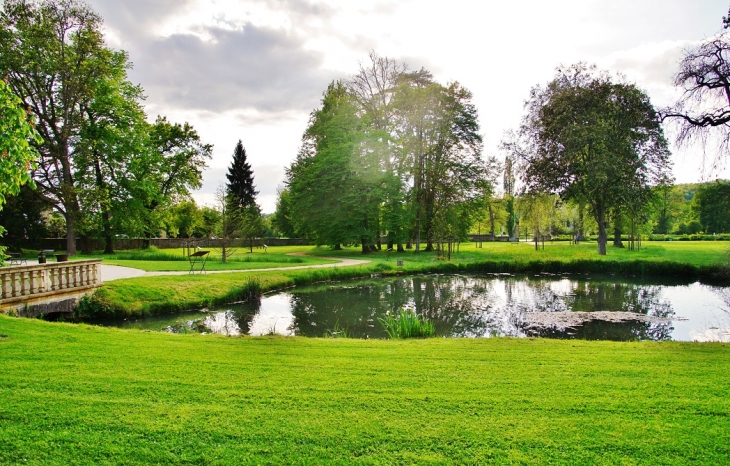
{"x": 59, "y": 244}
{"x": 44, "y": 288}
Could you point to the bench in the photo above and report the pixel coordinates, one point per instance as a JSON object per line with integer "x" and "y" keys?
{"x": 15, "y": 258}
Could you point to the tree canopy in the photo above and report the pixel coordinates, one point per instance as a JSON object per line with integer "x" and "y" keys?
{"x": 589, "y": 138}
{"x": 389, "y": 153}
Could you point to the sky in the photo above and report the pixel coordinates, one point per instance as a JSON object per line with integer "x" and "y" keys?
{"x": 254, "y": 69}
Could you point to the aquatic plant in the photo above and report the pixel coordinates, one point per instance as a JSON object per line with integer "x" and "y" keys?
{"x": 407, "y": 324}
{"x": 337, "y": 332}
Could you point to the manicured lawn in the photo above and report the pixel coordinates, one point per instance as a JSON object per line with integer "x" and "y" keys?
{"x": 77, "y": 394}
{"x": 689, "y": 252}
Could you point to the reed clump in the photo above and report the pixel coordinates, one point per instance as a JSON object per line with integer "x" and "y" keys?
{"x": 407, "y": 324}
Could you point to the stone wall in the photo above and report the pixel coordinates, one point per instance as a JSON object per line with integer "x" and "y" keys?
{"x": 59, "y": 244}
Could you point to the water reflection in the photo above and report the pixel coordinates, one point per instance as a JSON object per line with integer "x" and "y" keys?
{"x": 475, "y": 306}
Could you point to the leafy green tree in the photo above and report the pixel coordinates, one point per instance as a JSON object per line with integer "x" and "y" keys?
{"x": 588, "y": 138}
{"x": 438, "y": 131}
{"x": 17, "y": 155}
{"x": 52, "y": 53}
{"x": 282, "y": 221}
{"x": 712, "y": 203}
{"x": 169, "y": 166}
{"x": 110, "y": 142}
{"x": 330, "y": 203}
{"x": 187, "y": 218}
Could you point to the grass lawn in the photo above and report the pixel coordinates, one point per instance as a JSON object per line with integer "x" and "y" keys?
{"x": 696, "y": 253}
{"x": 77, "y": 394}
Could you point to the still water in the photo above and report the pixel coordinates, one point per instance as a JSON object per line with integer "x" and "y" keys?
{"x": 476, "y": 306}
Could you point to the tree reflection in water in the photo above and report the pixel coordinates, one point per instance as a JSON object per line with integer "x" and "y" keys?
{"x": 466, "y": 306}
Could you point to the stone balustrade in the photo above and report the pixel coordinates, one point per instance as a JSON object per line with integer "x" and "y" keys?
{"x": 23, "y": 283}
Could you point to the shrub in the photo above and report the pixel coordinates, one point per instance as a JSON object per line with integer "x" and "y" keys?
{"x": 407, "y": 324}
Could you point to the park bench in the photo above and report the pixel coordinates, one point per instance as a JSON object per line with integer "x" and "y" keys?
{"x": 15, "y": 258}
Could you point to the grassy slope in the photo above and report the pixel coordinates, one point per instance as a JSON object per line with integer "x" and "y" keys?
{"x": 88, "y": 395}
{"x": 149, "y": 295}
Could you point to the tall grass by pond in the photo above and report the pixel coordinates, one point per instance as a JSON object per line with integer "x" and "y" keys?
{"x": 407, "y": 324}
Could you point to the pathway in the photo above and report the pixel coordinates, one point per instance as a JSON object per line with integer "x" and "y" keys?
{"x": 116, "y": 272}
{"x": 341, "y": 263}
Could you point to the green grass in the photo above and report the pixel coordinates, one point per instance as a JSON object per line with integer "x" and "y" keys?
{"x": 78, "y": 394}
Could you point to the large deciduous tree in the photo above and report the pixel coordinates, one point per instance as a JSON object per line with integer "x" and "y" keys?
{"x": 591, "y": 139}
{"x": 53, "y": 53}
{"x": 330, "y": 203}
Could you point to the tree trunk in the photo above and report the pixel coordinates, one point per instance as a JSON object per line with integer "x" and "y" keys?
{"x": 491, "y": 220}
{"x": 602, "y": 235}
{"x": 617, "y": 229}
{"x": 400, "y": 248}
{"x": 70, "y": 232}
{"x": 365, "y": 246}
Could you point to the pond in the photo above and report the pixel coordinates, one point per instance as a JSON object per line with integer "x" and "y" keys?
{"x": 581, "y": 307}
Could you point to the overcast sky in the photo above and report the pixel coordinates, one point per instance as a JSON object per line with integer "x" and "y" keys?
{"x": 254, "y": 70}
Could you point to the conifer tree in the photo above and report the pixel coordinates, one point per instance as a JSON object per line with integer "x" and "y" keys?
{"x": 240, "y": 187}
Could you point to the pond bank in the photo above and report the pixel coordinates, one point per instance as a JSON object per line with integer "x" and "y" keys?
{"x": 165, "y": 294}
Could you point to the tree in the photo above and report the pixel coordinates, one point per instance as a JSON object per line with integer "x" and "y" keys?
{"x": 588, "y": 138}
{"x": 52, "y": 53}
{"x": 330, "y": 202}
{"x": 509, "y": 194}
{"x": 227, "y": 227}
{"x": 187, "y": 218}
{"x": 240, "y": 185}
{"x": 703, "y": 111}
{"x": 712, "y": 203}
{"x": 438, "y": 132}
{"x": 281, "y": 220}
{"x": 17, "y": 155}
{"x": 111, "y": 141}
{"x": 170, "y": 164}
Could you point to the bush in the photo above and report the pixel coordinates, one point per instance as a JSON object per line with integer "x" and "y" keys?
{"x": 90, "y": 306}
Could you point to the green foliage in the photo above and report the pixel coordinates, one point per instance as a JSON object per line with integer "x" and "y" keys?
{"x": 17, "y": 133}
{"x": 712, "y": 203}
{"x": 330, "y": 203}
{"x": 406, "y": 324}
{"x": 594, "y": 140}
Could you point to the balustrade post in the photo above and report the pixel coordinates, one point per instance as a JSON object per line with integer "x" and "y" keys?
{"x": 14, "y": 284}
{"x": 5, "y": 290}
{"x": 23, "y": 286}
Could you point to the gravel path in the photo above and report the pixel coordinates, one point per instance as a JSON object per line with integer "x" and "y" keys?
{"x": 341, "y": 263}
